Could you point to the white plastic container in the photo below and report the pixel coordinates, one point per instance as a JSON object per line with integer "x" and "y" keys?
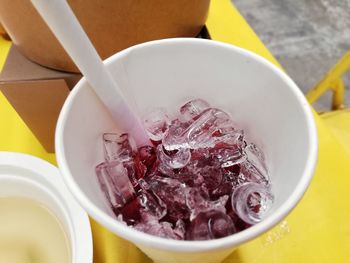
{"x": 30, "y": 177}
{"x": 166, "y": 73}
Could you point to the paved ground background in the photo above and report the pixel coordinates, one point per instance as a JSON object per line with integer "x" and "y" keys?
{"x": 306, "y": 36}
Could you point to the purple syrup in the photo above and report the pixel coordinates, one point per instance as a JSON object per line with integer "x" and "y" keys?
{"x": 188, "y": 184}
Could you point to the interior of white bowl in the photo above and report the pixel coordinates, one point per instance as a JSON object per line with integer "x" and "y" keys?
{"x": 261, "y": 99}
{"x": 29, "y": 177}
{"x": 19, "y": 186}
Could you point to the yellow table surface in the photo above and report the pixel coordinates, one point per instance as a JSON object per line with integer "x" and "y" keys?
{"x": 317, "y": 230}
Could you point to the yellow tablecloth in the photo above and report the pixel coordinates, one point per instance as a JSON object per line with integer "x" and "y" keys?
{"x": 318, "y": 230}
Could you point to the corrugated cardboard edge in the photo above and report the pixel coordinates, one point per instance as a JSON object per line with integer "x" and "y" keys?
{"x": 18, "y": 68}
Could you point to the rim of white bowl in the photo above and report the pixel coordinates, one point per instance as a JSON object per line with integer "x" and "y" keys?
{"x": 180, "y": 245}
{"x": 78, "y": 220}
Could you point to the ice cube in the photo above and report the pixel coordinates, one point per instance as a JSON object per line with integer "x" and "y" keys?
{"x": 209, "y": 225}
{"x": 174, "y": 138}
{"x": 200, "y": 133}
{"x": 118, "y": 147}
{"x": 188, "y": 175}
{"x": 193, "y": 109}
{"x": 139, "y": 167}
{"x": 202, "y": 168}
{"x": 198, "y": 201}
{"x": 220, "y": 225}
{"x": 249, "y": 173}
{"x": 131, "y": 173}
{"x": 212, "y": 176}
{"x": 150, "y": 225}
{"x": 174, "y": 160}
{"x": 229, "y": 155}
{"x": 130, "y": 211}
{"x": 147, "y": 155}
{"x": 121, "y": 181}
{"x": 165, "y": 170}
{"x": 256, "y": 157}
{"x": 228, "y": 183}
{"x": 156, "y": 123}
{"x": 115, "y": 183}
{"x": 173, "y": 194}
{"x": 199, "y": 228}
{"x": 228, "y": 149}
{"x": 180, "y": 229}
{"x": 225, "y": 188}
{"x": 222, "y": 118}
{"x": 191, "y": 180}
{"x": 250, "y": 201}
{"x": 153, "y": 204}
{"x": 233, "y": 174}
{"x": 200, "y": 155}
{"x": 229, "y": 136}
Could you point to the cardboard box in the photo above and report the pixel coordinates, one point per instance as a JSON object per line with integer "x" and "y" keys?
{"x": 36, "y": 93}
{"x": 111, "y": 25}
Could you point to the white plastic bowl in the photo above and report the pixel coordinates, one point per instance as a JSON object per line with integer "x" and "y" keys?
{"x": 30, "y": 177}
{"x": 165, "y": 73}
